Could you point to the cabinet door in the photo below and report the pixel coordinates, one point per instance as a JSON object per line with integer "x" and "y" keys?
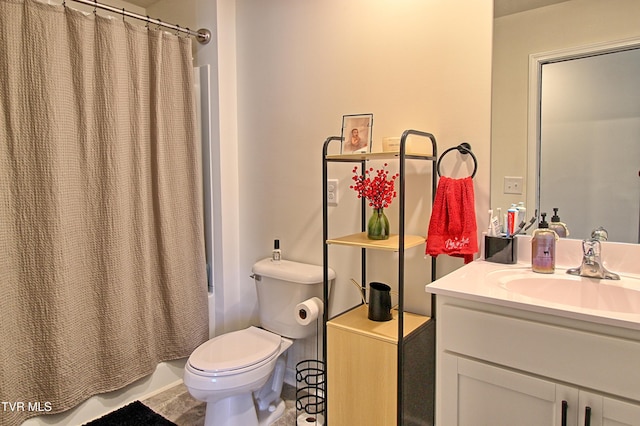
{"x": 605, "y": 411}
{"x": 361, "y": 379}
{"x": 618, "y": 413}
{"x": 481, "y": 394}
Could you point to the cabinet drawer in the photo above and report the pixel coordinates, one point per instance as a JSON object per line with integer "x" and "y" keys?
{"x": 590, "y": 360}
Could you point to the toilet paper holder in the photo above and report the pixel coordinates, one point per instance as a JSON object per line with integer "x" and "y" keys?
{"x": 309, "y": 311}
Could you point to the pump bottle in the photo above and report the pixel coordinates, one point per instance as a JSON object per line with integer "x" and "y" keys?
{"x": 543, "y": 248}
{"x": 558, "y": 227}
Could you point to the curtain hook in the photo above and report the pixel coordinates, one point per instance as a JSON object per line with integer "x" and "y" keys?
{"x": 158, "y": 24}
{"x": 177, "y": 30}
{"x": 95, "y": 7}
{"x": 123, "y": 14}
{"x": 147, "y": 25}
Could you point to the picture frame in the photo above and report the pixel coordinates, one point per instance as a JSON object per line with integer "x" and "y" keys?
{"x": 357, "y": 133}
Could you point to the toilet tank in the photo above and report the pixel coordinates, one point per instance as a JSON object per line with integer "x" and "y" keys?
{"x": 281, "y": 286}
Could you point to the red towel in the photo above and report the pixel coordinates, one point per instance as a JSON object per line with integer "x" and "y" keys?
{"x": 453, "y": 228}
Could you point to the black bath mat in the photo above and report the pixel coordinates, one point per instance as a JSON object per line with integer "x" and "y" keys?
{"x": 134, "y": 414}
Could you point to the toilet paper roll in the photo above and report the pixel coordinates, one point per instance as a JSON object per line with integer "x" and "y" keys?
{"x": 310, "y": 420}
{"x": 308, "y": 311}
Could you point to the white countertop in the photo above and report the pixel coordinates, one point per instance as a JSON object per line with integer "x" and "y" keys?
{"x": 476, "y": 282}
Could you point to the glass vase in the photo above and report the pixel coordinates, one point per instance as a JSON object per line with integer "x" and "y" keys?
{"x": 378, "y": 228}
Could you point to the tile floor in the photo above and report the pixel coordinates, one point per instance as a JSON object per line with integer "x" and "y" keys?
{"x": 177, "y": 405}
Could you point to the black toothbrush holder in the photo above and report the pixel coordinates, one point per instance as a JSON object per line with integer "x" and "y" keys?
{"x": 501, "y": 250}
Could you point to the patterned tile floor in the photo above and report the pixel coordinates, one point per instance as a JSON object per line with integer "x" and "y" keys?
{"x": 177, "y": 405}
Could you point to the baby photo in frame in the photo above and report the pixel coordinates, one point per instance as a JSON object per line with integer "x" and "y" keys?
{"x": 357, "y": 133}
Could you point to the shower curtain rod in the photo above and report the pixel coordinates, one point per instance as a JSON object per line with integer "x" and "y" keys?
{"x": 203, "y": 35}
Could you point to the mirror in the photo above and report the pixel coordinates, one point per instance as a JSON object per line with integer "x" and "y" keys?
{"x": 589, "y": 141}
{"x": 520, "y": 39}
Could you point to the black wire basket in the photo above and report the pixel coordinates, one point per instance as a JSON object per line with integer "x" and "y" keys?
{"x": 310, "y": 380}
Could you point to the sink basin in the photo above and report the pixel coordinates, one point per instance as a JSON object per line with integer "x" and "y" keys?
{"x": 587, "y": 293}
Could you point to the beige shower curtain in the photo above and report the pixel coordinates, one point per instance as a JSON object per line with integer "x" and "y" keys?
{"x": 102, "y": 270}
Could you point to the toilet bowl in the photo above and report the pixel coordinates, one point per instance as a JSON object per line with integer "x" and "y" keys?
{"x": 227, "y": 370}
{"x": 240, "y": 374}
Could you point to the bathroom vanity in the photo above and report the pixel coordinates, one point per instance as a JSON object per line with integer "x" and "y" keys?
{"x": 518, "y": 348}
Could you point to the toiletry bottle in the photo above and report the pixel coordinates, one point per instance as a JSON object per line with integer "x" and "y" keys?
{"x": 543, "y": 248}
{"x": 512, "y": 217}
{"x": 276, "y": 254}
{"x": 522, "y": 214}
{"x": 560, "y": 228}
{"x": 489, "y": 228}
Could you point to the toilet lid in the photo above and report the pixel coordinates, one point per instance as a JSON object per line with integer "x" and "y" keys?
{"x": 235, "y": 350}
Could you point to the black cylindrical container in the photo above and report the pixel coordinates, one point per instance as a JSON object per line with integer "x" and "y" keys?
{"x": 379, "y": 302}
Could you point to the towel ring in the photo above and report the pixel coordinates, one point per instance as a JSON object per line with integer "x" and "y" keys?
{"x": 463, "y": 148}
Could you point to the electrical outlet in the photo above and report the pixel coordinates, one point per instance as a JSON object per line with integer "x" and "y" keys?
{"x": 332, "y": 192}
{"x": 513, "y": 184}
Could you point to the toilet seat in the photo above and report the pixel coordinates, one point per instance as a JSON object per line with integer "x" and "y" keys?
{"x": 235, "y": 352}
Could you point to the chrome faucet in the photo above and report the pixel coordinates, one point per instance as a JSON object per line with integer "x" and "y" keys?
{"x": 592, "y": 266}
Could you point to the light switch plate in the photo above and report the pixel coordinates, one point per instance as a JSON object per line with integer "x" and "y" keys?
{"x": 513, "y": 184}
{"x": 332, "y": 192}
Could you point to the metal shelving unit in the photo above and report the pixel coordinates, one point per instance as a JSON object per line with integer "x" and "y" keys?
{"x": 397, "y": 242}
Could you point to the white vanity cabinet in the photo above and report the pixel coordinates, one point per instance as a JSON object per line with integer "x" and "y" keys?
{"x": 607, "y": 411}
{"x": 497, "y": 365}
{"x": 483, "y": 394}
{"x": 478, "y": 393}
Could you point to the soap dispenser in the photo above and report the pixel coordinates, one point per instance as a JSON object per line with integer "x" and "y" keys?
{"x": 558, "y": 227}
{"x": 543, "y": 248}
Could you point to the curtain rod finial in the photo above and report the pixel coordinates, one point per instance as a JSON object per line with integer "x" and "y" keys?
{"x": 204, "y": 36}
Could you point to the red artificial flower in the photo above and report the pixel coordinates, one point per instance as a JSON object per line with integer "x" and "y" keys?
{"x": 376, "y": 187}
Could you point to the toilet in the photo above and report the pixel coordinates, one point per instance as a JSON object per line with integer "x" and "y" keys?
{"x": 240, "y": 374}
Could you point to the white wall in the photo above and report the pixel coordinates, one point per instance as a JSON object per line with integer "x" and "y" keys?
{"x": 284, "y": 74}
{"x": 570, "y": 24}
{"x": 301, "y": 66}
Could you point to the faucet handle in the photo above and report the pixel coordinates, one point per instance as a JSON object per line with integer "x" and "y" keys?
{"x": 599, "y": 234}
{"x": 591, "y": 247}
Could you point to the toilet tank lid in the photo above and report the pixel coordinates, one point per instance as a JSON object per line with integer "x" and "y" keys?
{"x": 295, "y": 272}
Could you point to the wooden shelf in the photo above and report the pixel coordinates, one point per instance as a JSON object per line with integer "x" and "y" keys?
{"x": 393, "y": 155}
{"x": 392, "y": 244}
{"x": 356, "y": 320}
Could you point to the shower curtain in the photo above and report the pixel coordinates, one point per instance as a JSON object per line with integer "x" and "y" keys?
{"x": 102, "y": 270}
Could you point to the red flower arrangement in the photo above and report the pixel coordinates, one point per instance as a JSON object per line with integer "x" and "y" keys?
{"x": 378, "y": 187}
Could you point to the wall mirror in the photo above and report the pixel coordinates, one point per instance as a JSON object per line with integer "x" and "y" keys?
{"x": 584, "y": 126}
{"x": 592, "y": 174}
